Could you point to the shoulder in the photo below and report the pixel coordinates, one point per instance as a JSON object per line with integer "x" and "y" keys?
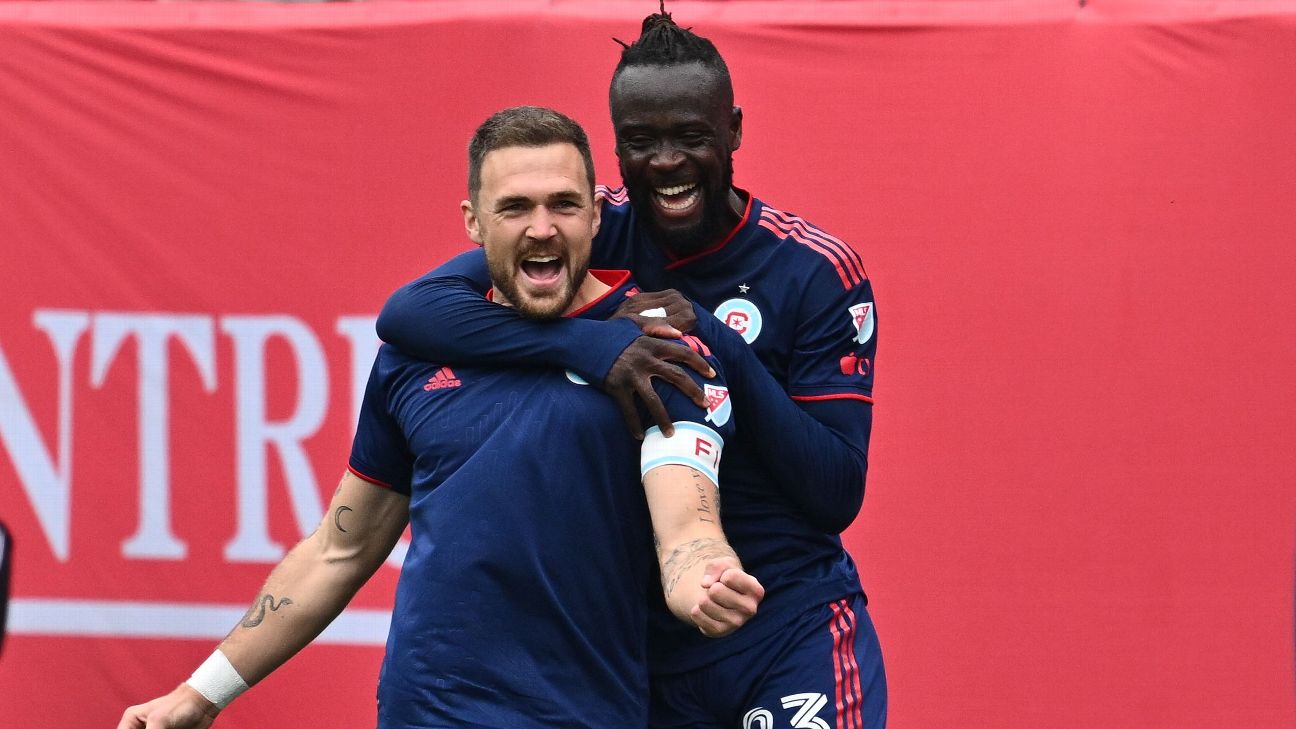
{"x": 611, "y": 197}
{"x": 811, "y": 247}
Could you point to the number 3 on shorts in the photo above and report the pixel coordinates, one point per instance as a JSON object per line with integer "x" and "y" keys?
{"x": 804, "y": 718}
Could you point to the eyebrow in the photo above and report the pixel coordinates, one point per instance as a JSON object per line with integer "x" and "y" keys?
{"x": 554, "y": 197}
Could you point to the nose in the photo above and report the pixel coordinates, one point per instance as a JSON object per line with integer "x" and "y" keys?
{"x": 541, "y": 226}
{"x": 665, "y": 157}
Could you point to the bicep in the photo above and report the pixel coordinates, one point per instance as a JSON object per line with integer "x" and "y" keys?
{"x": 364, "y": 519}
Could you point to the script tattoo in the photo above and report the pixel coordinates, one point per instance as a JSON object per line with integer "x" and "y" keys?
{"x": 687, "y": 555}
{"x": 337, "y": 517}
{"x": 260, "y": 607}
{"x": 707, "y": 493}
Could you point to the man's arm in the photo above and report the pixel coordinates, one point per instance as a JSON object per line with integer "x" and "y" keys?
{"x": 304, "y": 593}
{"x": 702, "y": 579}
{"x": 443, "y": 316}
{"x": 820, "y": 446}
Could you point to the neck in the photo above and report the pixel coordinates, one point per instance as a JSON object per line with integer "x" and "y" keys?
{"x": 590, "y": 290}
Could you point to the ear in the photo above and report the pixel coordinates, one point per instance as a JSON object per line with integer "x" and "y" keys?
{"x": 598, "y": 214}
{"x": 471, "y": 223}
{"x": 735, "y": 128}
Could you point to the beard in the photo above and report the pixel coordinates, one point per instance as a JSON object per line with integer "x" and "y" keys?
{"x": 503, "y": 272}
{"x": 714, "y": 223}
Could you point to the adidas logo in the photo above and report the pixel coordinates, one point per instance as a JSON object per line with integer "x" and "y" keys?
{"x": 445, "y": 377}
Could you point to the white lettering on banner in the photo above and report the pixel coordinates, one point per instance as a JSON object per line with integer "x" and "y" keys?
{"x": 359, "y": 331}
{"x": 152, "y": 333}
{"x": 48, "y": 486}
{"x": 45, "y": 469}
{"x": 256, "y": 433}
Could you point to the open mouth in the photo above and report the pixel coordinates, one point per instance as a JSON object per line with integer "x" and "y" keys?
{"x": 542, "y": 270}
{"x": 677, "y": 200}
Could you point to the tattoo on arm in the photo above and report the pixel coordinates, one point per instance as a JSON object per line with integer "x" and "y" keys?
{"x": 707, "y": 495}
{"x": 337, "y": 517}
{"x": 687, "y": 555}
{"x": 251, "y": 621}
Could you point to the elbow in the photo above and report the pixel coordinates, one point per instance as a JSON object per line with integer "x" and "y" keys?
{"x": 389, "y": 320}
{"x": 836, "y": 515}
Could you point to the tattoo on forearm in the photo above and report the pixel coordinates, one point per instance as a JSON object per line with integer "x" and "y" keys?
{"x": 687, "y": 556}
{"x": 250, "y": 621}
{"x": 707, "y": 494}
{"x": 337, "y": 517}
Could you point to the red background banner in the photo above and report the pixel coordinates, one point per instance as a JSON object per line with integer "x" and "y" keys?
{"x": 1077, "y": 218}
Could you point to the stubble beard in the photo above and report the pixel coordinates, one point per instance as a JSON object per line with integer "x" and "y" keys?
{"x": 708, "y": 231}
{"x": 503, "y": 272}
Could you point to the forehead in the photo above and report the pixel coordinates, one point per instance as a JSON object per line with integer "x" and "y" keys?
{"x": 533, "y": 171}
{"x": 642, "y": 94}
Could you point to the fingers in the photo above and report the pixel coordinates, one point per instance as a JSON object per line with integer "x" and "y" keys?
{"x": 685, "y": 384}
{"x": 132, "y": 718}
{"x": 741, "y": 583}
{"x": 665, "y": 314}
{"x": 646, "y": 358}
{"x": 731, "y": 600}
{"x": 658, "y": 328}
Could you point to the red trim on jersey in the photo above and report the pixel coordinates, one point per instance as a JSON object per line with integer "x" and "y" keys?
{"x": 848, "y": 270}
{"x": 840, "y": 396}
{"x": 370, "y": 479}
{"x": 774, "y": 227}
{"x": 847, "y": 690}
{"x": 616, "y": 196}
{"x": 847, "y": 254}
{"x": 746, "y": 213}
{"x": 613, "y": 279}
{"x": 697, "y": 345}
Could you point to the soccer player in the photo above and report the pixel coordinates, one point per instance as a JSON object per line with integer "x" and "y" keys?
{"x": 523, "y": 598}
{"x": 799, "y": 356}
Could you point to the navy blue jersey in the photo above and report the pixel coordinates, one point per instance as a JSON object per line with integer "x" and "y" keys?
{"x": 794, "y": 474}
{"x": 523, "y": 597}
{"x": 802, "y": 301}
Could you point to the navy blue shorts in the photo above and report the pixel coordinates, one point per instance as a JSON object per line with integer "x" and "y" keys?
{"x": 823, "y": 672}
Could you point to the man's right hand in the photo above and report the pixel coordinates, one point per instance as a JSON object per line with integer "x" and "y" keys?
{"x": 666, "y": 313}
{"x": 183, "y": 708}
{"x": 631, "y": 376}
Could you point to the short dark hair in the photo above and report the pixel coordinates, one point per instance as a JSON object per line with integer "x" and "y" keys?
{"x": 663, "y": 43}
{"x": 525, "y": 126}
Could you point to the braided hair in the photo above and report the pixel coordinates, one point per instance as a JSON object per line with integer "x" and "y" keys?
{"x": 663, "y": 43}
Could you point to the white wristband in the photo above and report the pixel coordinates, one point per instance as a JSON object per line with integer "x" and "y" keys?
{"x": 217, "y": 680}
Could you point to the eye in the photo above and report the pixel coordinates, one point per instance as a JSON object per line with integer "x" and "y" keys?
{"x": 638, "y": 143}
{"x": 693, "y": 139}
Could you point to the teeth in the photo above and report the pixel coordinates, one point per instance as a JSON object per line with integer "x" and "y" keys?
{"x": 668, "y": 191}
{"x": 684, "y": 204}
{"x": 541, "y": 259}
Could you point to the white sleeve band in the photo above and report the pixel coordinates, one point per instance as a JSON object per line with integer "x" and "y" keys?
{"x": 693, "y": 445}
{"x": 217, "y": 680}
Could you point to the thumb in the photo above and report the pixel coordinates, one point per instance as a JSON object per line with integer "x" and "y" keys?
{"x": 714, "y": 569}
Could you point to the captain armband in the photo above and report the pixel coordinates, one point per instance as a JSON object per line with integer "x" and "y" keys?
{"x": 693, "y": 445}
{"x": 217, "y": 680}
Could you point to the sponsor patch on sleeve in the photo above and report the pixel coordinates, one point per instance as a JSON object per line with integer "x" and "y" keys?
{"x": 718, "y": 406}
{"x": 862, "y": 316}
